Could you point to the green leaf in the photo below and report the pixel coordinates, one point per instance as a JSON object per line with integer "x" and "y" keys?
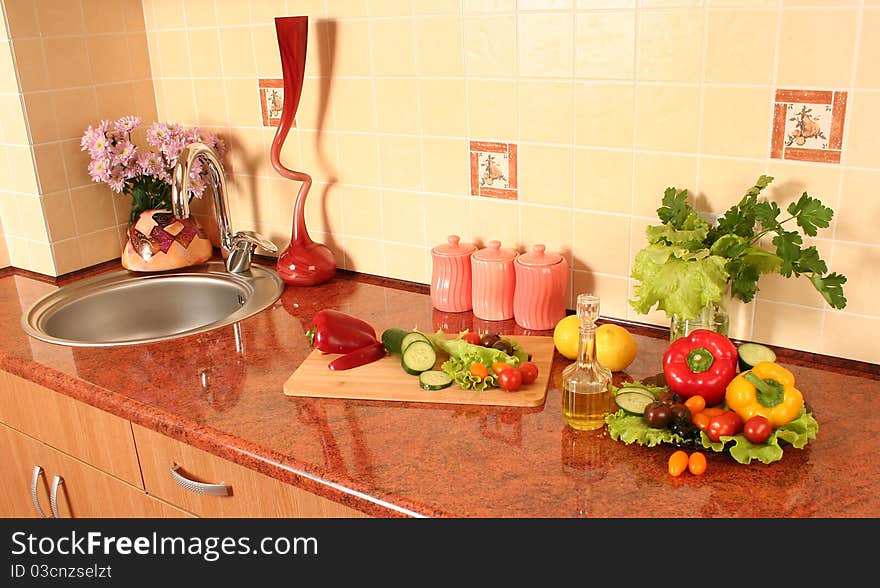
{"x": 730, "y": 246}
{"x": 675, "y": 209}
{"x": 766, "y": 262}
{"x": 788, "y": 248}
{"x": 810, "y": 214}
{"x": 831, "y": 288}
{"x": 691, "y": 239}
{"x": 810, "y": 262}
{"x": 767, "y": 213}
{"x": 744, "y": 279}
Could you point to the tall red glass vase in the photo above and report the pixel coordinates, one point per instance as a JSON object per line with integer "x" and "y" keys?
{"x": 303, "y": 262}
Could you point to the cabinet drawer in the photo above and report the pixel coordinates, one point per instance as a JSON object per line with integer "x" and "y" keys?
{"x": 85, "y": 432}
{"x": 82, "y": 492}
{"x": 251, "y": 494}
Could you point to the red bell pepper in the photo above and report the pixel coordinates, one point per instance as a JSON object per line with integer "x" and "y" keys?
{"x": 333, "y": 331}
{"x": 358, "y": 357}
{"x": 702, "y": 363}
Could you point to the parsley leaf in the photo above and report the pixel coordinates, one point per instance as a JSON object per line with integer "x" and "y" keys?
{"x": 831, "y": 288}
{"x": 809, "y": 261}
{"x": 788, "y": 247}
{"x": 810, "y": 214}
{"x": 675, "y": 210}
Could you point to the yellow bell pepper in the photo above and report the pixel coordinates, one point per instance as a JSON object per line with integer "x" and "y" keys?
{"x": 768, "y": 390}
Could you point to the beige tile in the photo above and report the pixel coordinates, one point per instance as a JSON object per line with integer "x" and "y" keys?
{"x": 172, "y": 58}
{"x": 169, "y": 15}
{"x": 14, "y": 126}
{"x": 867, "y": 74}
{"x": 50, "y": 167}
{"x": 670, "y": 45}
{"x": 346, "y": 8}
{"x": 667, "y": 118}
{"x": 30, "y": 213}
{"x": 76, "y": 163}
{"x": 9, "y": 216}
{"x": 446, "y": 165}
{"x": 205, "y": 60}
{"x": 237, "y": 51}
{"x": 545, "y": 112}
{"x": 100, "y": 246}
{"x": 92, "y": 208}
{"x": 116, "y": 101}
{"x": 403, "y": 217}
{"x": 491, "y": 108}
{"x": 67, "y": 256}
{"x": 728, "y": 59}
{"x": 723, "y": 182}
{"x": 31, "y": 65}
{"x": 736, "y": 121}
{"x": 76, "y": 109}
{"x": 67, "y": 62}
{"x": 794, "y": 289}
{"x": 41, "y": 260}
{"x": 362, "y": 211}
{"x": 358, "y": 159}
{"x": 604, "y": 114}
{"x": 354, "y": 104}
{"x": 314, "y": 110}
{"x": 8, "y": 80}
{"x": 792, "y": 179}
{"x": 437, "y": 7}
{"x": 545, "y": 45}
{"x": 545, "y": 175}
{"x": 858, "y": 202}
{"x": 611, "y": 290}
{"x": 266, "y": 52}
{"x": 824, "y": 61}
{"x": 248, "y": 154}
{"x": 488, "y": 5}
{"x": 400, "y": 162}
{"x": 263, "y": 12}
{"x": 551, "y": 227}
{"x": 144, "y": 100}
{"x": 139, "y": 56}
{"x": 490, "y": 46}
{"x": 104, "y": 17}
{"x": 22, "y": 176}
{"x": 319, "y": 155}
{"x": 795, "y": 327}
{"x": 449, "y": 215}
{"x": 109, "y": 59}
{"x": 18, "y": 250}
{"x": 614, "y": 32}
{"x": 135, "y": 19}
{"x": 862, "y": 141}
{"x": 60, "y": 17}
{"x": 405, "y": 262}
{"x": 364, "y": 255}
{"x": 504, "y": 226}
{"x": 21, "y": 16}
{"x": 603, "y": 180}
{"x": 851, "y": 336}
{"x": 601, "y": 243}
{"x": 443, "y": 107}
{"x": 654, "y": 172}
{"x": 323, "y": 208}
{"x": 244, "y": 103}
{"x": 200, "y": 13}
{"x": 397, "y": 106}
{"x": 393, "y": 46}
{"x": 852, "y": 260}
{"x": 389, "y": 8}
{"x": 439, "y": 46}
{"x": 350, "y": 46}
{"x": 210, "y": 102}
{"x": 58, "y": 214}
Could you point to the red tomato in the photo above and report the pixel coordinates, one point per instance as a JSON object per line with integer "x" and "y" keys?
{"x": 472, "y": 337}
{"x": 498, "y": 366}
{"x": 728, "y": 423}
{"x": 757, "y": 429}
{"x": 479, "y": 370}
{"x": 529, "y": 372}
{"x": 510, "y": 379}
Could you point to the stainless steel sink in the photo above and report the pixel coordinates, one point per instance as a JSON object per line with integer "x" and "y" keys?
{"x": 124, "y": 308}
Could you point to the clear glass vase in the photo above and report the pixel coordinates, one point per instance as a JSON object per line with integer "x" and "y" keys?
{"x": 713, "y": 317}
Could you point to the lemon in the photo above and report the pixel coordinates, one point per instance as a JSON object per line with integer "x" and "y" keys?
{"x": 615, "y": 347}
{"x": 566, "y": 336}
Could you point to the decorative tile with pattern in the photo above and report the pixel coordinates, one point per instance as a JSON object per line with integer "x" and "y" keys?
{"x": 808, "y": 125}
{"x": 493, "y": 169}
{"x": 271, "y": 101}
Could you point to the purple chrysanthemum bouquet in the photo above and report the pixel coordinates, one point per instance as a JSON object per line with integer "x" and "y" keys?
{"x": 144, "y": 174}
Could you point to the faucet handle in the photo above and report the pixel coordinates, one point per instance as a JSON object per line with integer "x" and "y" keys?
{"x": 244, "y": 243}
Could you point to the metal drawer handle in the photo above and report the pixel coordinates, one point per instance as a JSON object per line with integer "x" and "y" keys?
{"x": 57, "y": 481}
{"x": 220, "y": 489}
{"x": 38, "y": 471}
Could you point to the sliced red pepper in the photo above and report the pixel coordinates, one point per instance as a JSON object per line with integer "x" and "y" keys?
{"x": 333, "y": 331}
{"x": 702, "y": 363}
{"x": 358, "y": 357}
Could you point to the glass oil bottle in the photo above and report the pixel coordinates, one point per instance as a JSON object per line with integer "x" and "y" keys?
{"x": 586, "y": 384}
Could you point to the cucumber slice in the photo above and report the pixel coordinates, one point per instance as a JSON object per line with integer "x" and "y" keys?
{"x": 633, "y": 400}
{"x": 434, "y": 380}
{"x": 392, "y": 339}
{"x": 418, "y": 357}
{"x": 410, "y": 337}
{"x": 751, "y": 354}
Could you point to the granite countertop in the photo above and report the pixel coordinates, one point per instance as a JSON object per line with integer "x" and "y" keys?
{"x": 393, "y": 459}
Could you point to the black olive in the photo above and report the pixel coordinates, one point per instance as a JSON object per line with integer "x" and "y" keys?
{"x": 658, "y": 414}
{"x": 502, "y": 345}
{"x": 489, "y": 339}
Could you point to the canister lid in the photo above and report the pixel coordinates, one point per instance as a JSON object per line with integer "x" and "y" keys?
{"x": 453, "y": 248}
{"x": 538, "y": 256}
{"x": 494, "y": 252}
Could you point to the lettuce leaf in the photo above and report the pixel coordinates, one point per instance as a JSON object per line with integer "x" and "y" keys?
{"x": 462, "y": 355}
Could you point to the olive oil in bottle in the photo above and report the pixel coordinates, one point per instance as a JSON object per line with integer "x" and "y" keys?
{"x": 586, "y": 384}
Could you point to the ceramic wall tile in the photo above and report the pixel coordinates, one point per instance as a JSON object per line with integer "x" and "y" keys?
{"x": 816, "y": 47}
{"x": 734, "y": 121}
{"x": 728, "y": 59}
{"x": 445, "y": 162}
{"x": 592, "y": 233}
{"x": 603, "y": 180}
{"x": 614, "y": 32}
{"x": 808, "y": 125}
{"x": 604, "y": 114}
{"x": 492, "y": 107}
{"x": 545, "y": 112}
{"x": 667, "y": 118}
{"x": 397, "y": 105}
{"x": 670, "y": 45}
{"x": 862, "y": 141}
{"x": 439, "y": 46}
{"x": 654, "y": 172}
{"x": 489, "y": 46}
{"x": 494, "y": 169}
{"x": 545, "y": 45}
{"x": 444, "y": 110}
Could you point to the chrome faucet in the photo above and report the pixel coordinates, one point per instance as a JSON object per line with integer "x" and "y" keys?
{"x": 238, "y": 249}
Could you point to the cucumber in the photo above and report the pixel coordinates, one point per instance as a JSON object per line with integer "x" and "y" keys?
{"x": 434, "y": 380}
{"x": 392, "y": 339}
{"x": 418, "y": 357}
{"x": 633, "y": 400}
{"x": 413, "y": 336}
{"x": 753, "y": 353}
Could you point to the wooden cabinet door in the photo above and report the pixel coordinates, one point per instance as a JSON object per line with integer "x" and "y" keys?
{"x": 82, "y": 490}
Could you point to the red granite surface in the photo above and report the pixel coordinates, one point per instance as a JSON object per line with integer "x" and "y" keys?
{"x": 394, "y": 459}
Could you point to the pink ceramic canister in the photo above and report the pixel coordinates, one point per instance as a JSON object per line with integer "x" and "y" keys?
{"x": 451, "y": 275}
{"x": 493, "y": 282}
{"x": 541, "y": 287}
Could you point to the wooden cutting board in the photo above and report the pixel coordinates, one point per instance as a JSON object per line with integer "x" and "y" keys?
{"x": 385, "y": 380}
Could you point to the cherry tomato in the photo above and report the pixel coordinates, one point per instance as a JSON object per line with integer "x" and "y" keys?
{"x": 695, "y": 403}
{"x": 701, "y": 420}
{"x": 472, "y": 337}
{"x": 757, "y": 429}
{"x": 697, "y": 463}
{"x": 510, "y": 379}
{"x": 713, "y": 411}
{"x": 497, "y": 366}
{"x": 529, "y": 372}
{"x": 678, "y": 463}
{"x": 728, "y": 423}
{"x": 479, "y": 370}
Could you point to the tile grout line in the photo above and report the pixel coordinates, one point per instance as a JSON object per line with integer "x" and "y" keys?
{"x": 419, "y": 118}
{"x": 634, "y": 83}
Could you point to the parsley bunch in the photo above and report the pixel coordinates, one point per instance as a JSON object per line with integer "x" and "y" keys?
{"x": 689, "y": 262}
